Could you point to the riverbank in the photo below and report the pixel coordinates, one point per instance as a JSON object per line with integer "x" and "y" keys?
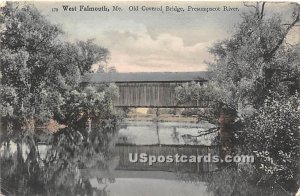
{"x": 160, "y": 118}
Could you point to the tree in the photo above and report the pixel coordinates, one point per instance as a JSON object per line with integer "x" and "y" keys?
{"x": 38, "y": 68}
{"x": 27, "y": 43}
{"x": 90, "y": 53}
{"x": 256, "y": 59}
{"x": 90, "y": 103}
{"x": 253, "y": 65}
{"x": 104, "y": 68}
{"x": 40, "y": 80}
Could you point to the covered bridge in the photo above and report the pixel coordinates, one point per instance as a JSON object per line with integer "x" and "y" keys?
{"x": 148, "y": 89}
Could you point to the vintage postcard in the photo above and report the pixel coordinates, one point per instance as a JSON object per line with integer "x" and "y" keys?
{"x": 149, "y": 98}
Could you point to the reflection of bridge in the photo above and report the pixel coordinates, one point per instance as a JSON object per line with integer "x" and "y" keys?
{"x": 156, "y": 89}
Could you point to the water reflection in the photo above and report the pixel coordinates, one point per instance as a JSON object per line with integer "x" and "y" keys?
{"x": 75, "y": 162}
{"x": 30, "y": 168}
{"x": 175, "y": 133}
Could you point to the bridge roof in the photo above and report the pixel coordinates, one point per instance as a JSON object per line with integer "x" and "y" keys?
{"x": 146, "y": 77}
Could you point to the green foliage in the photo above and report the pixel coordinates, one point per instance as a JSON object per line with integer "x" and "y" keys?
{"x": 232, "y": 182}
{"x": 38, "y": 69}
{"x": 40, "y": 80}
{"x": 272, "y": 134}
{"x": 9, "y": 98}
{"x": 201, "y": 92}
{"x": 260, "y": 73}
{"x": 255, "y": 60}
{"x": 256, "y": 74}
{"x": 88, "y": 103}
{"x": 216, "y": 95}
{"x": 90, "y": 53}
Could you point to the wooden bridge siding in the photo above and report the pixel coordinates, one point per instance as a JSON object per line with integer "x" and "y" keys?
{"x": 122, "y": 151}
{"x": 146, "y": 94}
{"x": 149, "y": 95}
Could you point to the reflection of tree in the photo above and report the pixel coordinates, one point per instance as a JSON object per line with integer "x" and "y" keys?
{"x": 189, "y": 139}
{"x": 59, "y": 173}
{"x": 40, "y": 80}
{"x": 157, "y": 131}
{"x": 175, "y": 135}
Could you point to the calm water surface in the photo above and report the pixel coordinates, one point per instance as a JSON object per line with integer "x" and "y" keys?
{"x": 148, "y": 132}
{"x": 80, "y": 166}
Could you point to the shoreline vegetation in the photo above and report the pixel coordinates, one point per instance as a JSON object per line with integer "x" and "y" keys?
{"x": 253, "y": 94}
{"x": 162, "y": 118}
{"x": 143, "y": 115}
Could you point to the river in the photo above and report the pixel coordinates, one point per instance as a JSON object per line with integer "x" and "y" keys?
{"x": 29, "y": 170}
{"x": 173, "y": 133}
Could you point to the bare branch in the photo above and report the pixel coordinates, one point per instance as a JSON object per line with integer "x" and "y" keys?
{"x": 209, "y": 131}
{"x": 262, "y": 10}
{"x": 249, "y": 5}
{"x": 268, "y": 55}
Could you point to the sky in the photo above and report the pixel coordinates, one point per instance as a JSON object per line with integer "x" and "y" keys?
{"x": 144, "y": 41}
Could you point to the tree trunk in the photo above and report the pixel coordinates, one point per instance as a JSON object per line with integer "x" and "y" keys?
{"x": 226, "y": 120}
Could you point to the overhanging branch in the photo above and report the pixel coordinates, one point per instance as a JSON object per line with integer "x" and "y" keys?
{"x": 268, "y": 55}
